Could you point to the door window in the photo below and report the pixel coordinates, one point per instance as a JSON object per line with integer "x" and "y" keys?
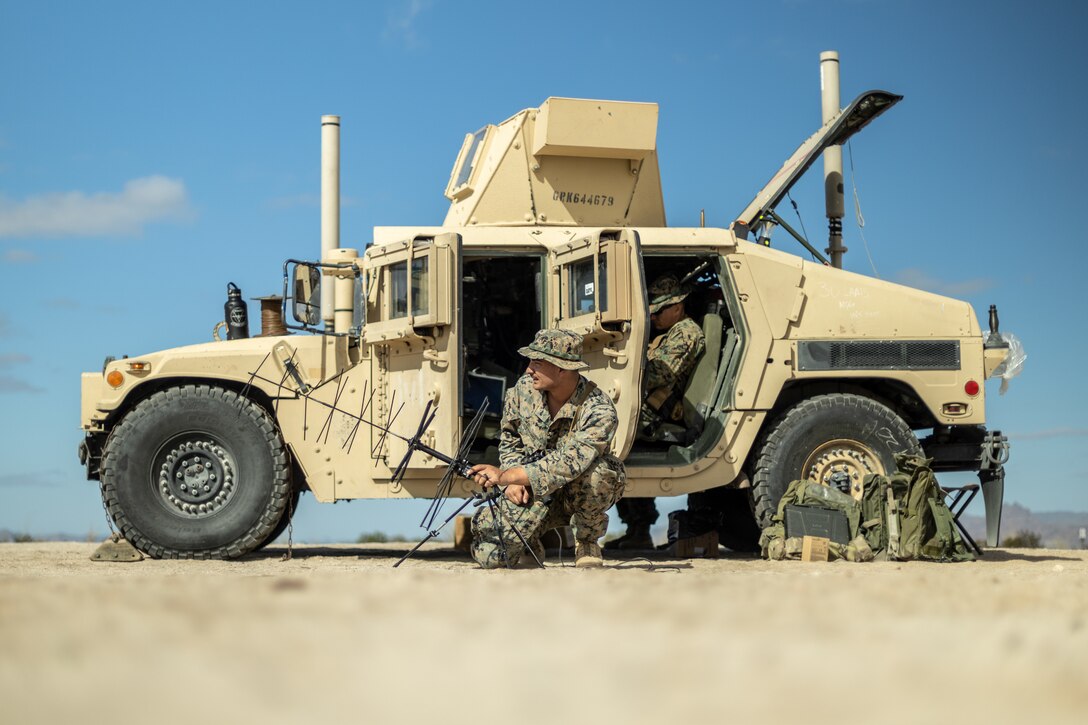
{"x": 409, "y": 286}
{"x": 594, "y": 282}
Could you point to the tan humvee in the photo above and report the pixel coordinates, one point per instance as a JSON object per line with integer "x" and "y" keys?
{"x": 556, "y": 220}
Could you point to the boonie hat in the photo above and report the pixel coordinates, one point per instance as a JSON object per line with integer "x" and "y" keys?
{"x": 665, "y": 291}
{"x": 562, "y": 348}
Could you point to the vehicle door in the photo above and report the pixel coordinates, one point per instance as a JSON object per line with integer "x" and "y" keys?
{"x": 412, "y": 294}
{"x": 597, "y": 290}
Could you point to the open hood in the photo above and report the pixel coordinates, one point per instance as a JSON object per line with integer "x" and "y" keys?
{"x": 838, "y": 130}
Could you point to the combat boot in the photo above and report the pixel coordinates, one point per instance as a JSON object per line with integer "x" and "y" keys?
{"x": 587, "y": 555}
{"x": 637, "y": 538}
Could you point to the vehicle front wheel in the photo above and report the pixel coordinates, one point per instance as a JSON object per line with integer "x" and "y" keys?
{"x": 196, "y": 472}
{"x": 835, "y": 440}
{"x": 285, "y": 520}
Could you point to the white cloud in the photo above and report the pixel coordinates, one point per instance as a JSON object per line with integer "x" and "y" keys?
{"x": 76, "y": 214}
{"x": 19, "y": 256}
{"x": 400, "y": 24}
{"x": 915, "y": 277}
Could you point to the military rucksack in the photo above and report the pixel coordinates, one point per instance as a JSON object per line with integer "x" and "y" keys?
{"x": 900, "y": 517}
{"x": 914, "y": 521}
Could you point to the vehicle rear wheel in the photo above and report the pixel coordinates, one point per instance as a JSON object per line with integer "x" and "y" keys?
{"x": 835, "y": 439}
{"x": 196, "y": 472}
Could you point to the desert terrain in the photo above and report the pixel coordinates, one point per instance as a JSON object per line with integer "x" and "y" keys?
{"x": 336, "y": 634}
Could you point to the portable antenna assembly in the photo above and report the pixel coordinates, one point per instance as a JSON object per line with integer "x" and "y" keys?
{"x": 457, "y": 465}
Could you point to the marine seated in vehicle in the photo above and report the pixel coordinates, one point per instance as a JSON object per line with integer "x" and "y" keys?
{"x": 555, "y": 464}
{"x": 670, "y": 358}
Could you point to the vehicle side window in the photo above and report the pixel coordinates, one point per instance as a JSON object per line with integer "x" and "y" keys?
{"x": 580, "y": 288}
{"x": 409, "y": 285}
{"x": 397, "y": 274}
{"x": 594, "y": 282}
{"x": 420, "y": 286}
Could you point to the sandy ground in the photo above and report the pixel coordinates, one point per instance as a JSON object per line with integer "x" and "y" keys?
{"x": 337, "y": 635}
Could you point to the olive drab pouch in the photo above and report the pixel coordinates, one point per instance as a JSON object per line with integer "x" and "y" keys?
{"x": 859, "y": 550}
{"x": 874, "y": 514}
{"x": 772, "y": 539}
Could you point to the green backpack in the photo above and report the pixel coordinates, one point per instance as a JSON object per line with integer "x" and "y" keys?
{"x": 911, "y": 518}
{"x": 900, "y": 517}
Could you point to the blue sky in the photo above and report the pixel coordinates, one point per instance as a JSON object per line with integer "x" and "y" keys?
{"x": 150, "y": 153}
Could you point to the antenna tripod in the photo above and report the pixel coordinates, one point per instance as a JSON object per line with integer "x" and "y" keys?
{"x": 459, "y": 465}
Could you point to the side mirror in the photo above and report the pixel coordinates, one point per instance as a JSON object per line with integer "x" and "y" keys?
{"x": 306, "y": 297}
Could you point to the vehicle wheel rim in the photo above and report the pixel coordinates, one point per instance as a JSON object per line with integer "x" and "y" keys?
{"x": 194, "y": 474}
{"x": 843, "y": 463}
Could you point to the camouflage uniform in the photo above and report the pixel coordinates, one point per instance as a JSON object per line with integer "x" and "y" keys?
{"x": 575, "y": 481}
{"x": 669, "y": 361}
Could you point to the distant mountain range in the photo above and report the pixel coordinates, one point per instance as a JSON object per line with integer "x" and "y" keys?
{"x": 1058, "y": 529}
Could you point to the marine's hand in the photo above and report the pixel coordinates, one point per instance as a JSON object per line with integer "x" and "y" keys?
{"x": 519, "y": 495}
{"x": 485, "y": 475}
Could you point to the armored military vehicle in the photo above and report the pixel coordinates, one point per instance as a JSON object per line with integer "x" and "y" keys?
{"x": 556, "y": 219}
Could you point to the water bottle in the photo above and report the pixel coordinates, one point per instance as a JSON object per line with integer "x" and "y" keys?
{"x": 236, "y": 315}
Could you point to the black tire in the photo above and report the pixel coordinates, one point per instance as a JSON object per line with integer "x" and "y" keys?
{"x": 836, "y": 439}
{"x": 196, "y": 472}
{"x": 285, "y": 520}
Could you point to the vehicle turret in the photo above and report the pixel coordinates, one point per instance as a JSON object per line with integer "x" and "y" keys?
{"x": 570, "y": 162}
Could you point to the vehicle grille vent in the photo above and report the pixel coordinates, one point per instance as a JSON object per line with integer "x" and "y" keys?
{"x": 878, "y": 355}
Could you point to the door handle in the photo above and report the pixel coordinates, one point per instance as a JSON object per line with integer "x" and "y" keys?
{"x": 618, "y": 355}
